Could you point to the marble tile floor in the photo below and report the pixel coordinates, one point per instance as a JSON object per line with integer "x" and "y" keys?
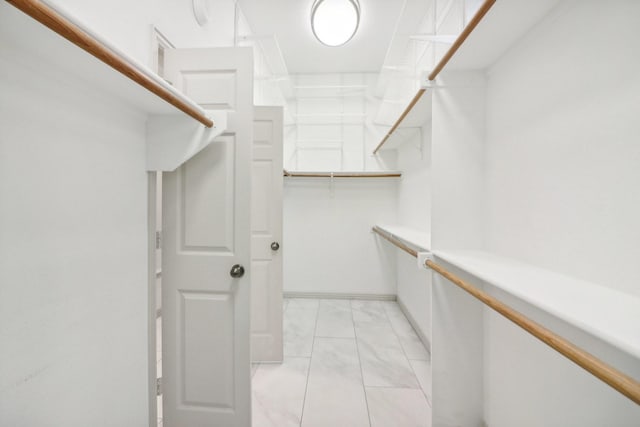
{"x": 347, "y": 363}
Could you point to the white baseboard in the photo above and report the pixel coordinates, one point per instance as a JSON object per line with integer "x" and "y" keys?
{"x": 412, "y": 320}
{"x": 333, "y": 295}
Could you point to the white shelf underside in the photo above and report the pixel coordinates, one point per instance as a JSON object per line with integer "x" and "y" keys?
{"x": 605, "y": 313}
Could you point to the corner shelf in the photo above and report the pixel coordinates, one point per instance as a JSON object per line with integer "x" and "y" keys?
{"x": 610, "y": 315}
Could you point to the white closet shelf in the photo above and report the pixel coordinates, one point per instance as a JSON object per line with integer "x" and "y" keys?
{"x": 330, "y": 118}
{"x": 342, "y": 174}
{"x": 415, "y": 115}
{"x": 610, "y": 315}
{"x": 25, "y": 34}
{"x": 418, "y": 111}
{"x": 330, "y": 91}
{"x": 329, "y": 87}
{"x": 417, "y": 239}
{"x": 504, "y": 25}
{"x": 419, "y": 114}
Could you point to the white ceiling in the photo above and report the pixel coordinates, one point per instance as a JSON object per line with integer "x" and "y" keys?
{"x": 290, "y": 21}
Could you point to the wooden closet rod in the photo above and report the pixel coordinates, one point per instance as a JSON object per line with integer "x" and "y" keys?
{"x": 394, "y": 241}
{"x": 462, "y": 37}
{"x": 56, "y": 22}
{"x": 404, "y": 114}
{"x": 619, "y": 381}
{"x": 482, "y": 11}
{"x": 342, "y": 174}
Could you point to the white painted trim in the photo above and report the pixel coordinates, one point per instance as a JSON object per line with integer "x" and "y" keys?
{"x": 158, "y": 39}
{"x": 334, "y": 295}
{"x": 151, "y": 301}
{"x": 413, "y": 323}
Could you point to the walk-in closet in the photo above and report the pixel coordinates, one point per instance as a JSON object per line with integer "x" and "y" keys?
{"x": 319, "y": 213}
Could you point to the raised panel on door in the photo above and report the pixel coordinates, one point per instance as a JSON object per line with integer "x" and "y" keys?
{"x": 206, "y": 227}
{"x": 266, "y": 229}
{"x": 207, "y": 222}
{"x": 199, "y": 346}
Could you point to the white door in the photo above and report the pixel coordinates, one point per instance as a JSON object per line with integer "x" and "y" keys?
{"x": 266, "y": 235}
{"x": 206, "y": 219}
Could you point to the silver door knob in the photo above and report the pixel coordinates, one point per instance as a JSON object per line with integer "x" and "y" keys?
{"x": 237, "y": 271}
{"x": 275, "y": 246}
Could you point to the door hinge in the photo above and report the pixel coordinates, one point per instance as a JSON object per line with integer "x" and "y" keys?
{"x": 159, "y": 386}
{"x": 158, "y": 239}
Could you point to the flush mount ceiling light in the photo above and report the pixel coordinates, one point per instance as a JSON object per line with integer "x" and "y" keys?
{"x": 335, "y": 22}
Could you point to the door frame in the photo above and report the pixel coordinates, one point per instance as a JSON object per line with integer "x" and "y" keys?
{"x": 151, "y": 299}
{"x": 158, "y": 39}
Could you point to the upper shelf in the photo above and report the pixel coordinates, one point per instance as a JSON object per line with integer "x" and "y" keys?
{"x": 423, "y": 107}
{"x": 417, "y": 113}
{"x": 85, "y": 55}
{"x": 329, "y": 118}
{"x": 330, "y": 91}
{"x": 503, "y": 25}
{"x": 610, "y": 315}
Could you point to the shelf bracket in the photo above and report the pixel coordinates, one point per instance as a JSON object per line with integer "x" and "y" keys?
{"x": 423, "y": 257}
{"x": 425, "y": 83}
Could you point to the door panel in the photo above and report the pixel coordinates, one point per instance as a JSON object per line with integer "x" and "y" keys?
{"x": 197, "y": 373}
{"x": 266, "y": 228}
{"x": 206, "y": 220}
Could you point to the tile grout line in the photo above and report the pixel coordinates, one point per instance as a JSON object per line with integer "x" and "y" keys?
{"x": 420, "y": 384}
{"x": 386, "y": 313}
{"x": 364, "y": 389}
{"x": 313, "y": 342}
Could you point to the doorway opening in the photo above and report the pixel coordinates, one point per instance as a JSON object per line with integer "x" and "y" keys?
{"x": 159, "y": 45}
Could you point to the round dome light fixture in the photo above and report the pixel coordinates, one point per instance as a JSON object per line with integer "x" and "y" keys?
{"x": 335, "y": 22}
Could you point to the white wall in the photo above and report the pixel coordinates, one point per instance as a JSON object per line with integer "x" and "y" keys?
{"x": 562, "y": 170}
{"x": 414, "y": 210}
{"x": 73, "y": 251}
{"x": 457, "y": 159}
{"x": 335, "y": 127}
{"x": 548, "y": 179}
{"x": 563, "y": 155}
{"x": 73, "y": 226}
{"x": 328, "y": 244}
